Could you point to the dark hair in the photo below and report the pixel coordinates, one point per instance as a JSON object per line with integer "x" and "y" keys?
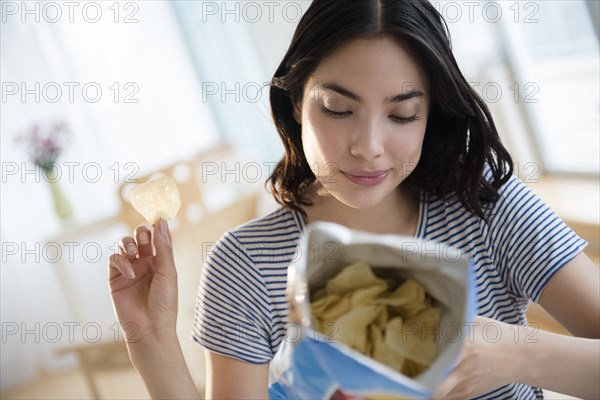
{"x": 460, "y": 138}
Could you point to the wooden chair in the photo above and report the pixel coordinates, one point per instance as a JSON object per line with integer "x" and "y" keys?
{"x": 197, "y": 226}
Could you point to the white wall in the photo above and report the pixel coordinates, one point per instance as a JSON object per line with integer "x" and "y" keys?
{"x": 169, "y": 121}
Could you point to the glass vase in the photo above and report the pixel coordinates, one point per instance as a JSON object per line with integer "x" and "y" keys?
{"x": 62, "y": 207}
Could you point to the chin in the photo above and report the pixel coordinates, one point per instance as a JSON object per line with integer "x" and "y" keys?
{"x": 363, "y": 201}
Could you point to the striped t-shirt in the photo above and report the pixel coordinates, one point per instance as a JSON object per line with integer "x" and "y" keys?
{"x": 241, "y": 310}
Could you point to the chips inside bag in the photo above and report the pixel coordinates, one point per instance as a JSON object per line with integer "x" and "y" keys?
{"x": 371, "y": 316}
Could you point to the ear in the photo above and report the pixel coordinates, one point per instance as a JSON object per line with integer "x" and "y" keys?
{"x": 297, "y": 112}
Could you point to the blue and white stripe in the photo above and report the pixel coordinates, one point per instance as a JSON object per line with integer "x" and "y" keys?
{"x": 241, "y": 310}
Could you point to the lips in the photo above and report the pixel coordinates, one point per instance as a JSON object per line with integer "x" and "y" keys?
{"x": 365, "y": 177}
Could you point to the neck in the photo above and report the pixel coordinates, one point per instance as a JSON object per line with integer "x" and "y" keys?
{"x": 397, "y": 214}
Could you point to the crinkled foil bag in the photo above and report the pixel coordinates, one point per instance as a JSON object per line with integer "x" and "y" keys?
{"x": 309, "y": 365}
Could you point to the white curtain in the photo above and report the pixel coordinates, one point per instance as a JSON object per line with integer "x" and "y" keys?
{"x": 235, "y": 81}
{"x": 149, "y": 113}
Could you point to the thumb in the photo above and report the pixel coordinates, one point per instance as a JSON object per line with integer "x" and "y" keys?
{"x": 163, "y": 245}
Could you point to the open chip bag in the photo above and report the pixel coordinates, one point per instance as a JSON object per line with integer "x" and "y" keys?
{"x": 371, "y": 316}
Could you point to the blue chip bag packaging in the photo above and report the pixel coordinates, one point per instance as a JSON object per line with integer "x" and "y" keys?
{"x": 371, "y": 316}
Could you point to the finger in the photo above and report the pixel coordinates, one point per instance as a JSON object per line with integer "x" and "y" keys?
{"x": 163, "y": 246}
{"x": 118, "y": 265}
{"x": 128, "y": 248}
{"x": 446, "y": 386}
{"x": 440, "y": 393}
{"x": 449, "y": 385}
{"x": 144, "y": 241}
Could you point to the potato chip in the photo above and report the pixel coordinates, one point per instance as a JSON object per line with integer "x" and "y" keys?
{"x": 365, "y": 296}
{"x": 382, "y": 319}
{"x": 319, "y": 294}
{"x": 408, "y": 299}
{"x": 398, "y": 329}
{"x": 355, "y": 276}
{"x": 412, "y": 368}
{"x": 352, "y": 326}
{"x": 156, "y": 198}
{"x": 406, "y": 340}
{"x": 427, "y": 320}
{"x": 382, "y": 352}
{"x": 330, "y": 307}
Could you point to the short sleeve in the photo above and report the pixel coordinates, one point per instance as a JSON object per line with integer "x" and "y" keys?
{"x": 531, "y": 242}
{"x": 233, "y": 313}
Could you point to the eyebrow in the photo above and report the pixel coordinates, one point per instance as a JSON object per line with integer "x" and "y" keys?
{"x": 396, "y": 99}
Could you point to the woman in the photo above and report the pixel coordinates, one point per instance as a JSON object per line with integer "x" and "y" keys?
{"x": 382, "y": 134}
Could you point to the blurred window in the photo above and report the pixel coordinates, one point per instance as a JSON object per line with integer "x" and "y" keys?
{"x": 125, "y": 85}
{"x": 552, "y": 48}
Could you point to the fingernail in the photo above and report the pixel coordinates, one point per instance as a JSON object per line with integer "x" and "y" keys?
{"x": 130, "y": 272}
{"x": 144, "y": 238}
{"x": 131, "y": 248}
{"x": 163, "y": 229}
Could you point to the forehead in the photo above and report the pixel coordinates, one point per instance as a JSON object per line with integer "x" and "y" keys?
{"x": 371, "y": 62}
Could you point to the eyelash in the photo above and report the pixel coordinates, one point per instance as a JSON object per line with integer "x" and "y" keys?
{"x": 400, "y": 120}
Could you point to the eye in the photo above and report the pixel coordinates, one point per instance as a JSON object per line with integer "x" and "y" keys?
{"x": 404, "y": 120}
{"x": 335, "y": 113}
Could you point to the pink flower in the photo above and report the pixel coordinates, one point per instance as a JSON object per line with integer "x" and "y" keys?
{"x": 45, "y": 143}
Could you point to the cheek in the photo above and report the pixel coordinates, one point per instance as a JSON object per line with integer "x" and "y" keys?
{"x": 408, "y": 144}
{"x": 322, "y": 138}
{"x": 311, "y": 147}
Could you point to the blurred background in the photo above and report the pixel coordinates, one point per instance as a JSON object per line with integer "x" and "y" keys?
{"x": 99, "y": 95}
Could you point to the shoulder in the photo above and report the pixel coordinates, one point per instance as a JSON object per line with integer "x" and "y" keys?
{"x": 523, "y": 222}
{"x": 279, "y": 224}
{"x": 278, "y": 220}
{"x": 446, "y": 218}
{"x": 279, "y": 228}
{"x": 516, "y": 202}
{"x": 240, "y": 261}
{"x": 512, "y": 196}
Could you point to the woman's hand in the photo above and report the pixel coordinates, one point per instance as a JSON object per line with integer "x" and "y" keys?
{"x": 146, "y": 301}
{"x": 146, "y": 306}
{"x": 489, "y": 359}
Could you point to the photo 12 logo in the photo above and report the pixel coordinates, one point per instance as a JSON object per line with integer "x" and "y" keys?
{"x": 492, "y": 92}
{"x": 70, "y": 171}
{"x": 247, "y": 92}
{"x": 251, "y": 11}
{"x": 67, "y": 331}
{"x": 489, "y": 11}
{"x": 53, "y": 12}
{"x": 53, "y": 92}
{"x": 90, "y": 252}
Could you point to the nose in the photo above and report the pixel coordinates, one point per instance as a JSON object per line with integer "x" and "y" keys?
{"x": 367, "y": 141}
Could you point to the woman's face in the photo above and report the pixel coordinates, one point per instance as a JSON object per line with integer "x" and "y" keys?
{"x": 363, "y": 115}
